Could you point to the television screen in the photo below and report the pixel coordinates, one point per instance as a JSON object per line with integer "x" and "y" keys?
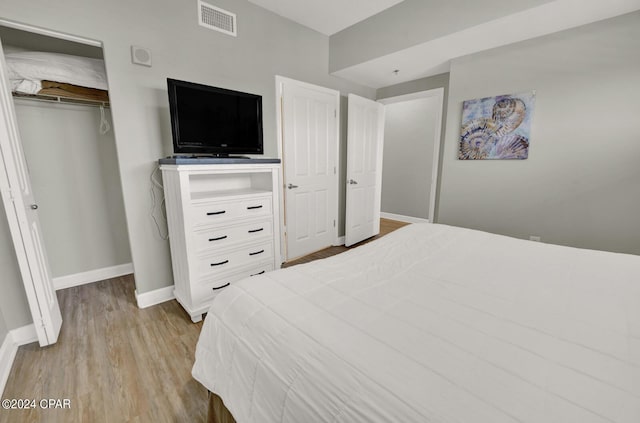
{"x": 211, "y": 120}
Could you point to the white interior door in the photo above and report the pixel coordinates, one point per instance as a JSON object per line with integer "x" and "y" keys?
{"x": 310, "y": 157}
{"x": 365, "y": 138}
{"x": 22, "y": 217}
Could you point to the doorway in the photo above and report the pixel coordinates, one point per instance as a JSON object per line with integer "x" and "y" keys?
{"x": 413, "y": 126}
{"x": 61, "y": 151}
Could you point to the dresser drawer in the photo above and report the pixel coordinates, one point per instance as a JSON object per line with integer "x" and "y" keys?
{"x": 223, "y": 261}
{"x": 221, "y": 237}
{"x": 212, "y": 212}
{"x": 207, "y": 288}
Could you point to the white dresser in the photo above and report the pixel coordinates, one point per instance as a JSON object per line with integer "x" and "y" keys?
{"x": 224, "y": 225}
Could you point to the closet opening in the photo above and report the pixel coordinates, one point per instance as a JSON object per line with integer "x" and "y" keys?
{"x": 60, "y": 96}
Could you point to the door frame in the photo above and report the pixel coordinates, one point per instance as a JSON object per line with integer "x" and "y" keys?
{"x": 281, "y": 82}
{"x": 14, "y": 203}
{"x": 438, "y": 93}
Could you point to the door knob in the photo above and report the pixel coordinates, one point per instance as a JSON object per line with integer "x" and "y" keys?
{"x": 34, "y": 207}
{"x": 291, "y": 186}
{"x": 352, "y": 182}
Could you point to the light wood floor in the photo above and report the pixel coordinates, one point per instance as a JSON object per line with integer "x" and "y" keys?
{"x": 386, "y": 226}
{"x": 116, "y": 362}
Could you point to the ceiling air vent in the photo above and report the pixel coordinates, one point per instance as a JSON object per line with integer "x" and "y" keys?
{"x": 213, "y": 17}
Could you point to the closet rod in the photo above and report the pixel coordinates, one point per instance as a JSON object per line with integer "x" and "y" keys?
{"x": 60, "y": 100}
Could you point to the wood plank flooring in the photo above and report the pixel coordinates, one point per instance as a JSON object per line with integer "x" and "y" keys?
{"x": 386, "y": 226}
{"x": 116, "y": 362}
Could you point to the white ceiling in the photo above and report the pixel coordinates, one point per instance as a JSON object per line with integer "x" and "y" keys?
{"x": 326, "y": 16}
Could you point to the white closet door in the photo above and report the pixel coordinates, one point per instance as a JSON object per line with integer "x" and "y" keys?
{"x": 22, "y": 215}
{"x": 365, "y": 138}
{"x": 310, "y": 154}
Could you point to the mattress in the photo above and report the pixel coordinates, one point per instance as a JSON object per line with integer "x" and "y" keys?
{"x": 431, "y": 323}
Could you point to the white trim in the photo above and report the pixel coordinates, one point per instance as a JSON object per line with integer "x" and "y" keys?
{"x": 24, "y": 334}
{"x": 14, "y": 339}
{"x": 157, "y": 296}
{"x": 8, "y": 352}
{"x": 49, "y": 33}
{"x": 439, "y": 94}
{"x": 435, "y": 167}
{"x": 280, "y": 139}
{"x": 91, "y": 276}
{"x": 403, "y": 218}
{"x": 339, "y": 241}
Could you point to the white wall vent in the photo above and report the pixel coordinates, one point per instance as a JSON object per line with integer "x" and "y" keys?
{"x": 213, "y": 17}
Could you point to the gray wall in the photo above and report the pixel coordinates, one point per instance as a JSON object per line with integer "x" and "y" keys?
{"x": 413, "y": 22}
{"x": 579, "y": 185}
{"x": 422, "y": 84}
{"x": 75, "y": 180}
{"x": 408, "y": 156}
{"x": 266, "y": 45}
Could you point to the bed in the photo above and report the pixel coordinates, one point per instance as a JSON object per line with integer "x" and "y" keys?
{"x": 34, "y": 73}
{"x": 431, "y": 323}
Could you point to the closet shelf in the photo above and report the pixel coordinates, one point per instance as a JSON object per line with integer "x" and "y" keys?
{"x": 60, "y": 99}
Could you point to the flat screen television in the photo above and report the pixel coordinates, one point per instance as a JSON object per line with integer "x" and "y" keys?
{"x": 214, "y": 121}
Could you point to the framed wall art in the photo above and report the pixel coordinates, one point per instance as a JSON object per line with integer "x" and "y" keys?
{"x": 496, "y": 128}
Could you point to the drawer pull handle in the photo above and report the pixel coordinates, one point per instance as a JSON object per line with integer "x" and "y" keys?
{"x": 255, "y": 230}
{"x": 223, "y": 286}
{"x": 259, "y": 273}
{"x": 218, "y": 238}
{"x": 220, "y": 264}
{"x": 256, "y": 253}
{"x": 214, "y": 213}
{"x": 254, "y": 207}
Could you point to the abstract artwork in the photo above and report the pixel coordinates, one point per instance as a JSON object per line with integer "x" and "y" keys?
{"x": 496, "y": 128}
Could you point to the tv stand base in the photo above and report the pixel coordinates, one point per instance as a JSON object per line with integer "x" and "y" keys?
{"x": 195, "y": 160}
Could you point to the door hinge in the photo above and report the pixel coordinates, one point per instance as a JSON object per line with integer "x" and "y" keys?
{"x": 334, "y": 170}
{"x": 334, "y": 223}
{"x": 42, "y": 323}
{"x": 335, "y": 113}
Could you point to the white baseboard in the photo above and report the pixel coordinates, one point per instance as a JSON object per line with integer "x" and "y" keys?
{"x": 8, "y": 352}
{"x": 157, "y": 296}
{"x": 24, "y": 335}
{"x": 91, "y": 276}
{"x": 403, "y": 218}
{"x": 14, "y": 338}
{"x": 340, "y": 241}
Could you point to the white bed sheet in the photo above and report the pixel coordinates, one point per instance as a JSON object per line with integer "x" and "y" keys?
{"x": 431, "y": 323}
{"x": 27, "y": 70}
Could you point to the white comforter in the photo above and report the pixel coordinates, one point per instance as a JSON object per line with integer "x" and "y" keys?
{"x": 431, "y": 324}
